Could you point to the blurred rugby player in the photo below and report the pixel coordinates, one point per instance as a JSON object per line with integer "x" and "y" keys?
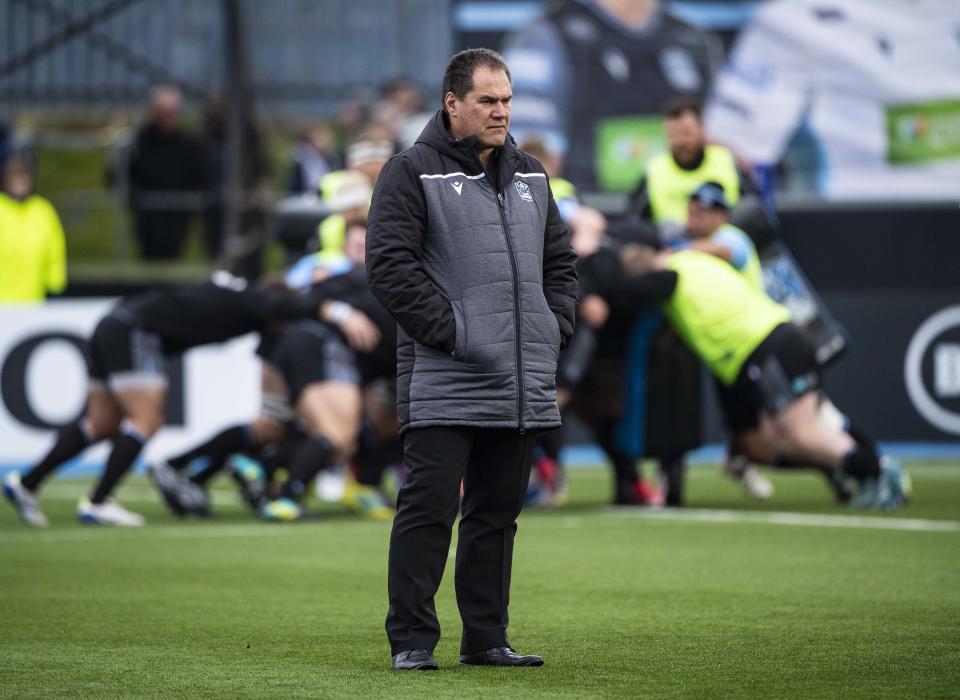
{"x": 128, "y": 384}
{"x": 769, "y": 377}
{"x": 313, "y": 373}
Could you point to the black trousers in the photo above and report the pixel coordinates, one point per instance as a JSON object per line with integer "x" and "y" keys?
{"x": 495, "y": 467}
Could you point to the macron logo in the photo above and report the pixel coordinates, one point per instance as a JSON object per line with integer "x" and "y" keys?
{"x": 458, "y": 186}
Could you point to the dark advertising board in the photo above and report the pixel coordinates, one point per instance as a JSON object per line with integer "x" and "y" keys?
{"x": 890, "y": 276}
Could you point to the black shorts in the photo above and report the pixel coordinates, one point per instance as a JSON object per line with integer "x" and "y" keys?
{"x": 783, "y": 368}
{"x": 123, "y": 355}
{"x": 309, "y": 352}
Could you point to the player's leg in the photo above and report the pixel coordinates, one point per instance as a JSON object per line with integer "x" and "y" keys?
{"x": 788, "y": 383}
{"x": 881, "y": 480}
{"x": 741, "y": 416}
{"x": 142, "y": 408}
{"x": 796, "y": 432}
{"x": 321, "y": 373}
{"x": 379, "y": 448}
{"x": 137, "y": 382}
{"x": 331, "y": 414}
{"x": 269, "y": 425}
{"x": 101, "y": 420}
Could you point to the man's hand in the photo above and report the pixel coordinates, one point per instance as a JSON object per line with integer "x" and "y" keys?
{"x": 594, "y": 311}
{"x": 589, "y": 227}
{"x": 361, "y": 333}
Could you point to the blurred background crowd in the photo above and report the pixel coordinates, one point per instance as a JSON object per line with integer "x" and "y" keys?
{"x": 126, "y": 114}
{"x": 146, "y": 143}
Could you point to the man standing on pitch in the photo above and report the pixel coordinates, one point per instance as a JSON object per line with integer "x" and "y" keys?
{"x": 465, "y": 247}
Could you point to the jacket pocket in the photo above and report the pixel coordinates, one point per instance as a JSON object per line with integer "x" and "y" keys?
{"x": 460, "y": 343}
{"x": 556, "y": 327}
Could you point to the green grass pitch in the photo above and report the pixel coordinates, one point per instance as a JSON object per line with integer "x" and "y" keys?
{"x": 726, "y": 598}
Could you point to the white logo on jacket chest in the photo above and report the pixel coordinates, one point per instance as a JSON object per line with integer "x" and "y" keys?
{"x": 458, "y": 186}
{"x": 523, "y": 189}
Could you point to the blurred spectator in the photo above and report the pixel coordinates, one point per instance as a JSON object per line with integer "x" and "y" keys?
{"x": 590, "y": 77}
{"x": 256, "y": 167}
{"x": 709, "y": 230}
{"x": 586, "y": 223}
{"x": 347, "y": 192}
{"x": 670, "y": 177}
{"x": 164, "y": 166}
{"x": 368, "y": 152}
{"x": 400, "y": 111}
{"x": 350, "y": 201}
{"x": 564, "y": 191}
{"x": 313, "y": 157}
{"x": 872, "y": 88}
{"x": 354, "y": 114}
{"x": 33, "y": 254}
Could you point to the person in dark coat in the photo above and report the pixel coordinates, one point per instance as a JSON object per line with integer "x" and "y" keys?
{"x": 467, "y": 251}
{"x": 165, "y": 165}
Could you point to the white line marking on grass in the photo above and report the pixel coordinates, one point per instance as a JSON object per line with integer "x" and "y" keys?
{"x": 107, "y": 533}
{"x": 126, "y": 494}
{"x": 690, "y": 515}
{"x": 704, "y": 515}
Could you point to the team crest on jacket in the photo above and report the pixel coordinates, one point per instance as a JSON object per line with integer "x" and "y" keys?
{"x": 523, "y": 189}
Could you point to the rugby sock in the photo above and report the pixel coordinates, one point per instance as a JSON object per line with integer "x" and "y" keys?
{"x": 71, "y": 441}
{"x": 311, "y": 456}
{"x": 214, "y": 467}
{"x": 126, "y": 446}
{"x": 861, "y": 463}
{"x": 217, "y": 448}
{"x": 375, "y": 460}
{"x": 861, "y": 437}
{"x": 218, "y": 454}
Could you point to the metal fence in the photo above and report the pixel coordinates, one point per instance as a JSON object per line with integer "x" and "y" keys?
{"x": 303, "y": 54}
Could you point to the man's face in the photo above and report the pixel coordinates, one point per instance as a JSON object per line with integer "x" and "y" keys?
{"x": 685, "y": 138}
{"x": 703, "y": 221}
{"x": 18, "y": 184}
{"x": 165, "y": 107}
{"x": 371, "y": 168}
{"x": 354, "y": 246}
{"x": 485, "y": 111}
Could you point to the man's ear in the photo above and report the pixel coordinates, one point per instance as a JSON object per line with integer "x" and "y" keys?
{"x": 450, "y": 104}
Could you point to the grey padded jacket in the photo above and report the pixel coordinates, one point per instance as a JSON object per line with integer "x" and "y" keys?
{"x": 481, "y": 279}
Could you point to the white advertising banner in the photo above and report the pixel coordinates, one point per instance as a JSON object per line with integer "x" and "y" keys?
{"x": 43, "y": 382}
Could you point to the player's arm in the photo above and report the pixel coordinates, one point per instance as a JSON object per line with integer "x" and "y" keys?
{"x": 714, "y": 248}
{"x": 361, "y": 333}
{"x": 631, "y": 273}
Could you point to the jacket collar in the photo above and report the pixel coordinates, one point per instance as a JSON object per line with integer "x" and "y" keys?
{"x": 436, "y": 134}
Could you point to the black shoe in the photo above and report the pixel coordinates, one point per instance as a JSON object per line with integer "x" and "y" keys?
{"x": 500, "y": 656}
{"x": 168, "y": 480}
{"x": 415, "y": 660}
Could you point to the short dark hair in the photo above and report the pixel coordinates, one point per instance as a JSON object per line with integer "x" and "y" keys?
{"x": 458, "y": 77}
{"x": 678, "y": 106}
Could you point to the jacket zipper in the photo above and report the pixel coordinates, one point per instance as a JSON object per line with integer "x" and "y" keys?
{"x": 516, "y": 312}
